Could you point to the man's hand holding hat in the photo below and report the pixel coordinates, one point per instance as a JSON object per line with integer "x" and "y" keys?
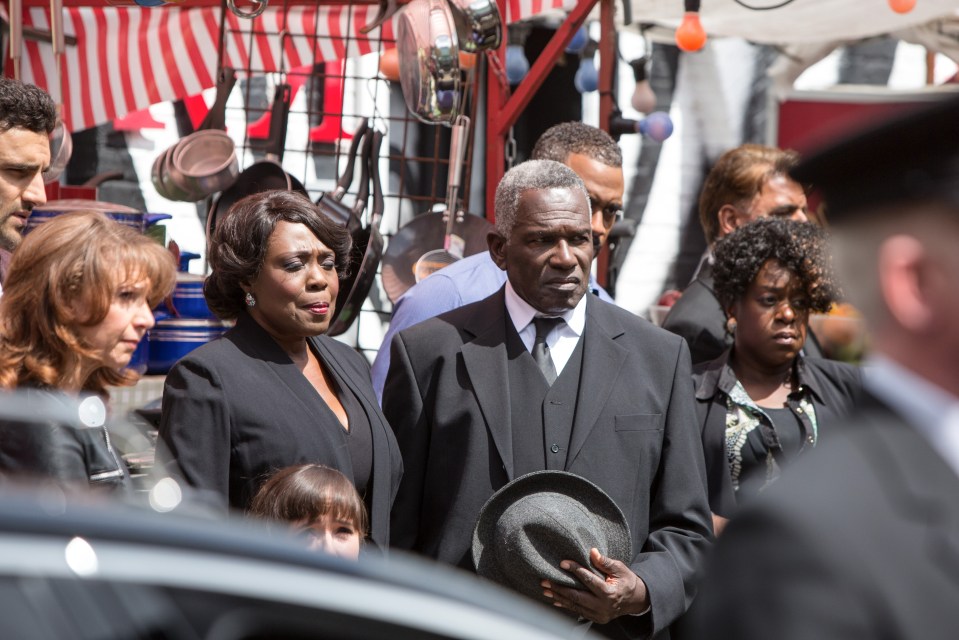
{"x": 621, "y": 593}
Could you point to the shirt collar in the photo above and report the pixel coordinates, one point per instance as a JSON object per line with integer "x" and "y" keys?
{"x": 920, "y": 401}
{"x": 521, "y": 313}
{"x": 719, "y": 376}
{"x": 930, "y": 409}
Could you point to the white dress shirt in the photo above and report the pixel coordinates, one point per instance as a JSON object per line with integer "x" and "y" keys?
{"x": 561, "y": 340}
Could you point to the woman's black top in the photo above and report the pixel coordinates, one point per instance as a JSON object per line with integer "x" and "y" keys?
{"x": 745, "y": 447}
{"x": 789, "y": 428}
{"x": 359, "y": 437}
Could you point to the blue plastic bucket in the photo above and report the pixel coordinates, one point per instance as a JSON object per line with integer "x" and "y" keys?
{"x": 188, "y": 297}
{"x": 172, "y": 338}
{"x": 124, "y": 215}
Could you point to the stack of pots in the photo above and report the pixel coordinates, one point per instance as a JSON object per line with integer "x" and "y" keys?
{"x": 197, "y": 166}
{"x": 205, "y": 161}
{"x": 184, "y": 322}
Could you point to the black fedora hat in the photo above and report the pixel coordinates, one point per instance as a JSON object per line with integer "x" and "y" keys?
{"x": 909, "y": 158}
{"x": 533, "y": 523}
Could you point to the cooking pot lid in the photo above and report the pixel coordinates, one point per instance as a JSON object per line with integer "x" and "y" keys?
{"x": 420, "y": 235}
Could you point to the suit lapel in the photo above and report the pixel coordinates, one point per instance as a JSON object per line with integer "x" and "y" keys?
{"x": 485, "y": 359}
{"x": 602, "y": 360}
{"x": 254, "y": 340}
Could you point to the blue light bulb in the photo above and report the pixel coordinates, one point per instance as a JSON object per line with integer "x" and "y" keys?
{"x": 586, "y": 78}
{"x": 657, "y": 126}
{"x": 517, "y": 66}
{"x": 578, "y": 43}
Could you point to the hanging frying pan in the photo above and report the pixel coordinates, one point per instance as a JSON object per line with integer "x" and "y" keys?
{"x": 331, "y": 202}
{"x": 265, "y": 175}
{"x": 368, "y": 243}
{"x": 205, "y": 161}
{"x": 354, "y": 222}
{"x": 429, "y": 61}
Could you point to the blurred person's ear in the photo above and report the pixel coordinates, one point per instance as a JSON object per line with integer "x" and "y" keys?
{"x": 903, "y": 266}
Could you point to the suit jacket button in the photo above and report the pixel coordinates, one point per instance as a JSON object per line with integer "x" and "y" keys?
{"x": 554, "y": 448}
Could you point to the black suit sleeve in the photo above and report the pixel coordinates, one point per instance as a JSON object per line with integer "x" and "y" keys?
{"x": 403, "y": 406}
{"x": 680, "y": 526}
{"x": 195, "y": 428}
{"x": 699, "y": 319}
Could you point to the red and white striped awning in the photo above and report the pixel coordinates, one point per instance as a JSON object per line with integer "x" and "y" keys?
{"x": 126, "y": 59}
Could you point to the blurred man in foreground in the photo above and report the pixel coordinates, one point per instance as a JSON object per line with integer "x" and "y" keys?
{"x": 861, "y": 539}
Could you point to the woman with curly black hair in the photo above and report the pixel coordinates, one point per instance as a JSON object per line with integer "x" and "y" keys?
{"x": 762, "y": 403}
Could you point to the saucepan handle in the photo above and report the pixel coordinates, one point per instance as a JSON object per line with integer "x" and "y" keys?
{"x": 377, "y": 185}
{"x": 347, "y": 178}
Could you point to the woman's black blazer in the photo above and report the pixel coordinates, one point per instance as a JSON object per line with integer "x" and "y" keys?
{"x": 237, "y": 409}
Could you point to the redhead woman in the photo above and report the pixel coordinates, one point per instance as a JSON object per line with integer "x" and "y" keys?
{"x": 274, "y": 391}
{"x": 76, "y": 302}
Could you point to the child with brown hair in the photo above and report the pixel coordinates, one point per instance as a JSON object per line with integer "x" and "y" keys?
{"x": 318, "y": 502}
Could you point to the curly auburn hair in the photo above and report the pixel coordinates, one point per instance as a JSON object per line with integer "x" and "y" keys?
{"x": 798, "y": 246}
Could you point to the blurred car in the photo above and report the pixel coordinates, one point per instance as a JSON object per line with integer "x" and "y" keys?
{"x": 84, "y": 570}
{"x": 85, "y": 567}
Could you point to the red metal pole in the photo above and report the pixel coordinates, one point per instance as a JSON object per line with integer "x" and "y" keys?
{"x": 607, "y": 101}
{"x": 503, "y": 109}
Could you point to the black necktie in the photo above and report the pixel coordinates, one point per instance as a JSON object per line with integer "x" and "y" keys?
{"x": 540, "y": 349}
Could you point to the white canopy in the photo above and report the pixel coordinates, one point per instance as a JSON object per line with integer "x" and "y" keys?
{"x": 800, "y": 21}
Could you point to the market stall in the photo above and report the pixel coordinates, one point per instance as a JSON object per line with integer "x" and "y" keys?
{"x": 118, "y": 60}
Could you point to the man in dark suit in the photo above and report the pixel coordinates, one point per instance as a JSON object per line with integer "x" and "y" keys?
{"x": 748, "y": 182}
{"x": 489, "y": 392}
{"x": 861, "y": 538}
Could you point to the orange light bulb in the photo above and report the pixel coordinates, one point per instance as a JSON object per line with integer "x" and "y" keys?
{"x": 902, "y": 6}
{"x": 690, "y": 36}
{"x": 390, "y": 65}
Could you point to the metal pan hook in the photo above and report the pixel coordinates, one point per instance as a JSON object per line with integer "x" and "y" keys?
{"x": 259, "y": 6}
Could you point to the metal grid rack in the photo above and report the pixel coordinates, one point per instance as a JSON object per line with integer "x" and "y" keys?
{"x": 332, "y": 97}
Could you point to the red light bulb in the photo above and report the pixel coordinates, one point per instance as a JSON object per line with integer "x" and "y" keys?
{"x": 690, "y": 36}
{"x": 902, "y": 6}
